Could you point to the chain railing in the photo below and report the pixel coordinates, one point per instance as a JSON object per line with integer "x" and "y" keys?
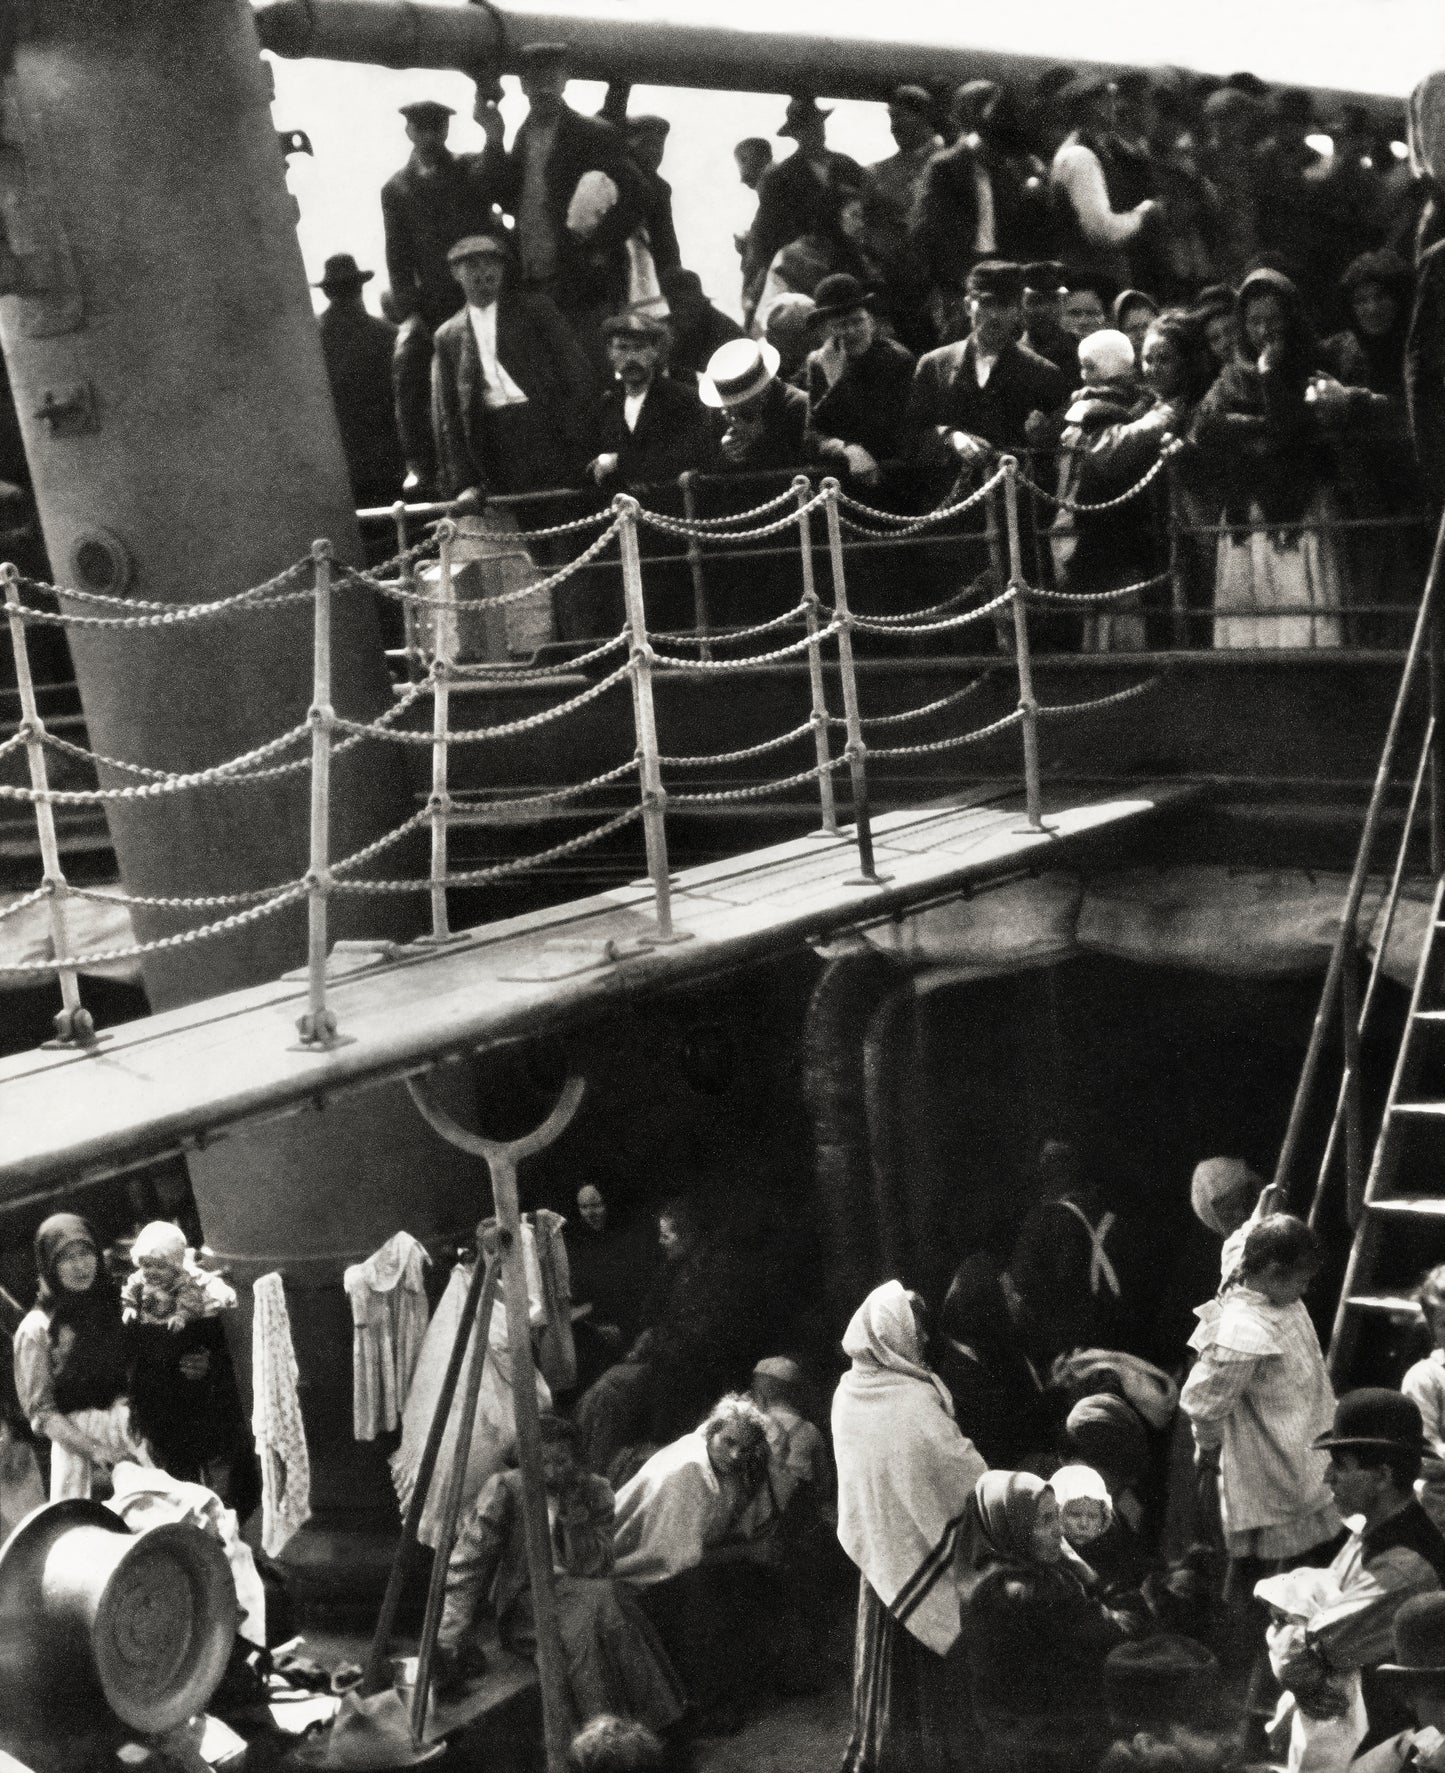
{"x": 828, "y": 628}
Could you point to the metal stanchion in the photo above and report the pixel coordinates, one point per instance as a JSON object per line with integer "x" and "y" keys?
{"x": 73, "y": 1024}
{"x": 654, "y": 795}
{"x": 408, "y": 583}
{"x": 439, "y": 806}
{"x": 317, "y": 1027}
{"x": 1028, "y": 703}
{"x": 855, "y": 750}
{"x": 688, "y": 482}
{"x": 827, "y": 800}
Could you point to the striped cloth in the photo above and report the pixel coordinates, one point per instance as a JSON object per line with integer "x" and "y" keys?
{"x": 1259, "y": 1392}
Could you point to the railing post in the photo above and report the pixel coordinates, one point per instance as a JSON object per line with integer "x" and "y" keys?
{"x": 855, "y": 750}
{"x": 1028, "y": 703}
{"x": 644, "y": 716}
{"x": 73, "y": 1025}
{"x": 828, "y": 803}
{"x": 317, "y": 1027}
{"x": 1178, "y": 587}
{"x": 688, "y": 482}
{"x": 408, "y": 583}
{"x": 439, "y": 806}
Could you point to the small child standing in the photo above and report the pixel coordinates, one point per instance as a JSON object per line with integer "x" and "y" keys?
{"x": 1425, "y": 1385}
{"x": 1326, "y": 1712}
{"x": 169, "y": 1288}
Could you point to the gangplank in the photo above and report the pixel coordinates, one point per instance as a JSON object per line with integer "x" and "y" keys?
{"x": 170, "y": 1081}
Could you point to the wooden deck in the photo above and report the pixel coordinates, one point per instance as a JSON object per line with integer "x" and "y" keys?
{"x": 170, "y": 1081}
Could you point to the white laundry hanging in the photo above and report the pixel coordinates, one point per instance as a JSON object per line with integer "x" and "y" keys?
{"x": 389, "y": 1321}
{"x": 276, "y": 1418}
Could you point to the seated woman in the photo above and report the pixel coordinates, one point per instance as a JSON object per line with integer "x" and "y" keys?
{"x": 1036, "y": 1637}
{"x": 689, "y": 1532}
{"x": 71, "y": 1360}
{"x": 1266, "y": 427}
{"x": 614, "y": 1661}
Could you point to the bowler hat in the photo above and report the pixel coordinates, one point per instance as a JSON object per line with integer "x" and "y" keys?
{"x": 426, "y": 111}
{"x": 737, "y": 371}
{"x": 996, "y": 280}
{"x": 1046, "y": 276}
{"x": 1419, "y": 1637}
{"x": 636, "y": 325}
{"x": 472, "y": 246}
{"x": 1163, "y": 1680}
{"x": 801, "y": 110}
{"x": 839, "y": 293}
{"x": 1376, "y": 1417}
{"x": 369, "y": 1735}
{"x": 341, "y": 272}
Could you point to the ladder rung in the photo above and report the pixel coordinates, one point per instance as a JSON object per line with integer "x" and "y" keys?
{"x": 1437, "y": 1108}
{"x": 1430, "y": 1015}
{"x": 1387, "y": 1302}
{"x": 1427, "y": 1206}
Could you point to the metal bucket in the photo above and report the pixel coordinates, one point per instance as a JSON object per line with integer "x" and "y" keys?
{"x": 90, "y": 1610}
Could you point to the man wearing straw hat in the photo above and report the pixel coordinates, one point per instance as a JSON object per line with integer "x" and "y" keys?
{"x": 764, "y": 417}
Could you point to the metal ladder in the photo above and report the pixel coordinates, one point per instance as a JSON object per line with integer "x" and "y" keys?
{"x": 1374, "y": 1208}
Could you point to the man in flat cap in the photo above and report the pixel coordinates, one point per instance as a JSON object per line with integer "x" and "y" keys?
{"x": 800, "y": 195}
{"x": 577, "y": 197}
{"x": 357, "y": 347}
{"x": 435, "y": 199}
{"x": 987, "y": 392}
{"x": 652, "y": 428}
{"x": 1099, "y": 210}
{"x": 1045, "y": 286}
{"x": 514, "y": 399}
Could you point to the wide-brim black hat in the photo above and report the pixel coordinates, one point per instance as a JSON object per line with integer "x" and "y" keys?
{"x": 1375, "y": 1417}
{"x": 341, "y": 271}
{"x": 840, "y": 293}
{"x": 1419, "y": 1638}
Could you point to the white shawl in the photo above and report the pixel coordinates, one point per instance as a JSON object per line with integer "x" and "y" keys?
{"x": 672, "y": 1512}
{"x": 905, "y": 1471}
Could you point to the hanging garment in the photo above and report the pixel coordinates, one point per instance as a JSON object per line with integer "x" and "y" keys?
{"x": 494, "y": 1431}
{"x": 276, "y": 1418}
{"x": 389, "y": 1318}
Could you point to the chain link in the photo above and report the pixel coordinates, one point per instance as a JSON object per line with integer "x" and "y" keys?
{"x": 173, "y": 615}
{"x": 721, "y": 523}
{"x": 24, "y": 902}
{"x": 692, "y": 762}
{"x": 288, "y": 576}
{"x": 718, "y": 637}
{"x": 759, "y": 790}
{"x": 1165, "y": 455}
{"x": 109, "y": 956}
{"x": 674, "y": 527}
{"x": 973, "y": 738}
{"x": 1059, "y": 710}
{"x": 1036, "y": 594}
{"x": 481, "y": 876}
{"x": 549, "y": 796}
{"x": 15, "y": 741}
{"x": 219, "y": 774}
{"x": 531, "y": 535}
{"x": 933, "y": 609}
{"x": 507, "y": 674}
{"x": 752, "y": 660}
{"x": 907, "y": 526}
{"x": 869, "y": 626}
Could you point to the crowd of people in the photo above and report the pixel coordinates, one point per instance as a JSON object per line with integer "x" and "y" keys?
{"x": 1082, "y": 275}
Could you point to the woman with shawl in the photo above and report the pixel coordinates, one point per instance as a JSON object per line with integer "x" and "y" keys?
{"x": 1265, "y": 429}
{"x": 70, "y": 1360}
{"x": 905, "y": 1477}
{"x": 998, "y": 1395}
{"x": 1036, "y": 1637}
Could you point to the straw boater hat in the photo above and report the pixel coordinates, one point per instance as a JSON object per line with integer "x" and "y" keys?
{"x": 737, "y": 371}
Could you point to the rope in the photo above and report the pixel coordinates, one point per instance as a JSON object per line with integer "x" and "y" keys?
{"x": 1059, "y": 709}
{"x": 717, "y": 637}
{"x": 1169, "y": 450}
{"x": 948, "y": 701}
{"x": 973, "y": 738}
{"x": 480, "y": 876}
{"x": 24, "y": 903}
{"x": 692, "y": 762}
{"x": 526, "y": 673}
{"x": 759, "y": 791}
{"x": 673, "y": 527}
{"x": 752, "y": 660}
{"x": 473, "y": 735}
{"x": 502, "y": 598}
{"x": 869, "y": 626}
{"x": 1036, "y": 594}
{"x": 287, "y": 576}
{"x": 200, "y": 934}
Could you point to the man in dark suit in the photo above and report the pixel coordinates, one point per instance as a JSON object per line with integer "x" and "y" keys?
{"x": 572, "y": 243}
{"x": 800, "y": 195}
{"x": 357, "y": 347}
{"x": 988, "y": 392}
{"x": 428, "y": 206}
{"x": 765, "y": 418}
{"x": 698, "y": 328}
{"x": 858, "y": 388}
{"x": 652, "y": 428}
{"x": 513, "y": 395}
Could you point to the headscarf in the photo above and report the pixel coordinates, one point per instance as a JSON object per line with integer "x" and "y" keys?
{"x": 905, "y": 1472}
{"x": 1132, "y": 298}
{"x": 1107, "y": 1433}
{"x": 1301, "y": 355}
{"x": 94, "y": 1372}
{"x": 1007, "y": 1504}
{"x": 1384, "y": 356}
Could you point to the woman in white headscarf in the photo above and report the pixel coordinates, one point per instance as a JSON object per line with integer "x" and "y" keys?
{"x": 905, "y": 1477}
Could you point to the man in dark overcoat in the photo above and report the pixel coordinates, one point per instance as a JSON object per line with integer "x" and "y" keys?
{"x": 652, "y": 428}
{"x": 858, "y": 387}
{"x": 357, "y": 348}
{"x": 800, "y": 195}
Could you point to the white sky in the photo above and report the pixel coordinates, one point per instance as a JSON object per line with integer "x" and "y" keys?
{"x": 350, "y": 112}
